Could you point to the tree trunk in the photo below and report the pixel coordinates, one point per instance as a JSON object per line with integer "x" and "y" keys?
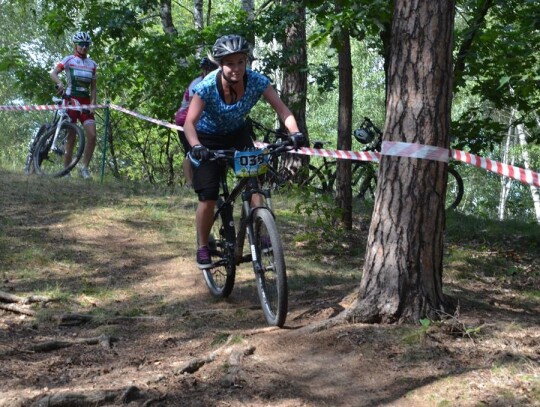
{"x": 343, "y": 181}
{"x": 527, "y": 164}
{"x": 249, "y": 7}
{"x": 166, "y": 18}
{"x": 506, "y": 182}
{"x": 402, "y": 278}
{"x": 198, "y": 14}
{"x": 294, "y": 82}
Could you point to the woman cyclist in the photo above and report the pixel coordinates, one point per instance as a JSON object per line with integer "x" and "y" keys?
{"x": 215, "y": 120}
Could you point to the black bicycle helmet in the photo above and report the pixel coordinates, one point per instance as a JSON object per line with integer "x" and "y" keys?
{"x": 364, "y": 135}
{"x": 207, "y": 64}
{"x": 228, "y": 45}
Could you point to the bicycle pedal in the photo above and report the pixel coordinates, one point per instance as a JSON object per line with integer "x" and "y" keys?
{"x": 246, "y": 258}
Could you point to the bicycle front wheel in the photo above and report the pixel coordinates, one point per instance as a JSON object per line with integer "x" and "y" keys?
{"x": 269, "y": 268}
{"x": 29, "y": 167}
{"x": 454, "y": 189}
{"x": 51, "y": 155}
{"x": 220, "y": 277}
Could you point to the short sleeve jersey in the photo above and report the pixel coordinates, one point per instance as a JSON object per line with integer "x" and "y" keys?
{"x": 220, "y": 118}
{"x": 79, "y": 74}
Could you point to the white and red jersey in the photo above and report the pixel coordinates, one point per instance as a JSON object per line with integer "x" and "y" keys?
{"x": 80, "y": 72}
{"x": 181, "y": 114}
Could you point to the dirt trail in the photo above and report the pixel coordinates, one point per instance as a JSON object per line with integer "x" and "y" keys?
{"x": 181, "y": 347}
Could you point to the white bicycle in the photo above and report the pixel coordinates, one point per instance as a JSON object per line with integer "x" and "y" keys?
{"x": 50, "y": 153}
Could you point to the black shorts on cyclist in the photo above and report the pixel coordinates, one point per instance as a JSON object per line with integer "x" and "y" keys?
{"x": 206, "y": 176}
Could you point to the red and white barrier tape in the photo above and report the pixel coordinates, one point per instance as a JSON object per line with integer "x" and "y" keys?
{"x": 148, "y": 119}
{"x": 391, "y": 148}
{"x": 344, "y": 154}
{"x": 414, "y": 150}
{"x": 17, "y": 108}
{"x": 524, "y": 176}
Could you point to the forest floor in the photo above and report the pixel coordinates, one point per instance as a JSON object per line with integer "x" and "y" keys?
{"x": 124, "y": 256}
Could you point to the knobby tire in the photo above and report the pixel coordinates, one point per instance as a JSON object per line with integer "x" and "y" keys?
{"x": 49, "y": 159}
{"x": 270, "y": 272}
{"x": 220, "y": 277}
{"x": 29, "y": 167}
{"x": 454, "y": 190}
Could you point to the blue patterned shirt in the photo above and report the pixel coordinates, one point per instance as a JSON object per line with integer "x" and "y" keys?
{"x": 221, "y": 118}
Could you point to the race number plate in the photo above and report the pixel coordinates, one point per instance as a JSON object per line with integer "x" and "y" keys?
{"x": 250, "y": 163}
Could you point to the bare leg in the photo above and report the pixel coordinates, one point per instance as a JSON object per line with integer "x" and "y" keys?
{"x": 70, "y": 144}
{"x": 90, "y": 143}
{"x": 204, "y": 218}
{"x": 188, "y": 171}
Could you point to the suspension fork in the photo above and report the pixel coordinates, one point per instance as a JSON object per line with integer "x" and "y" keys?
{"x": 246, "y": 221}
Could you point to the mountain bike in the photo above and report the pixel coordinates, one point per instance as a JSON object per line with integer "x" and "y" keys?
{"x": 226, "y": 241}
{"x": 364, "y": 173}
{"x": 48, "y": 151}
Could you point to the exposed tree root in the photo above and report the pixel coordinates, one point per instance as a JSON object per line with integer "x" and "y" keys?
{"x": 103, "y": 340}
{"x": 7, "y": 297}
{"x": 95, "y": 398}
{"x": 235, "y": 376}
{"x": 80, "y": 319}
{"x": 10, "y": 302}
{"x": 340, "y": 319}
{"x": 195, "y": 364}
{"x": 18, "y": 309}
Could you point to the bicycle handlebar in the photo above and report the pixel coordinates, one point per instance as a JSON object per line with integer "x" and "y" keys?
{"x": 66, "y": 100}
{"x": 274, "y": 148}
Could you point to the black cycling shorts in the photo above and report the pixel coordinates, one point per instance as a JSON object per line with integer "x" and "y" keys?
{"x": 206, "y": 176}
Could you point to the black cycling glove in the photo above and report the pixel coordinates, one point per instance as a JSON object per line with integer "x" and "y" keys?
{"x": 200, "y": 152}
{"x": 297, "y": 140}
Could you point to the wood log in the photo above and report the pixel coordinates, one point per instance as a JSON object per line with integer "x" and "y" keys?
{"x": 18, "y": 309}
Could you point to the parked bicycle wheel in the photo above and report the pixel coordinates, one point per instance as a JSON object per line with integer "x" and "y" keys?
{"x": 221, "y": 242}
{"x": 322, "y": 179}
{"x": 29, "y": 167}
{"x": 270, "y": 270}
{"x": 50, "y": 153}
{"x": 454, "y": 189}
{"x": 364, "y": 180}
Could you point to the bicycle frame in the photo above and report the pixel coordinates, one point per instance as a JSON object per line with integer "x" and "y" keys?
{"x": 61, "y": 143}
{"x": 246, "y": 189}
{"x": 61, "y": 115}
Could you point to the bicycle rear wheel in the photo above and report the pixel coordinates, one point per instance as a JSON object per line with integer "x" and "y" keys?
{"x": 322, "y": 179}
{"x": 454, "y": 189}
{"x": 270, "y": 272}
{"x": 220, "y": 277}
{"x": 364, "y": 180}
{"x": 50, "y": 159}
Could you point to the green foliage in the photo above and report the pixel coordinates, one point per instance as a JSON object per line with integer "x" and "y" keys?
{"x": 319, "y": 207}
{"x": 146, "y": 70}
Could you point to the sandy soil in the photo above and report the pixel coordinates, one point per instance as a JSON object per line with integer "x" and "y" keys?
{"x": 181, "y": 347}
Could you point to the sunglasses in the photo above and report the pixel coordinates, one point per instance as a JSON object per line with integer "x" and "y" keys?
{"x": 84, "y": 44}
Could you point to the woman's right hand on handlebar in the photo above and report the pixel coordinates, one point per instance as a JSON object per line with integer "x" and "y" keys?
{"x": 200, "y": 152}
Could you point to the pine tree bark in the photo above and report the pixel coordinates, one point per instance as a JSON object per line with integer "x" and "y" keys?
{"x": 402, "y": 276}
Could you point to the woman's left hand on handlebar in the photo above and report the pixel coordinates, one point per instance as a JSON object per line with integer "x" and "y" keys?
{"x": 297, "y": 140}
